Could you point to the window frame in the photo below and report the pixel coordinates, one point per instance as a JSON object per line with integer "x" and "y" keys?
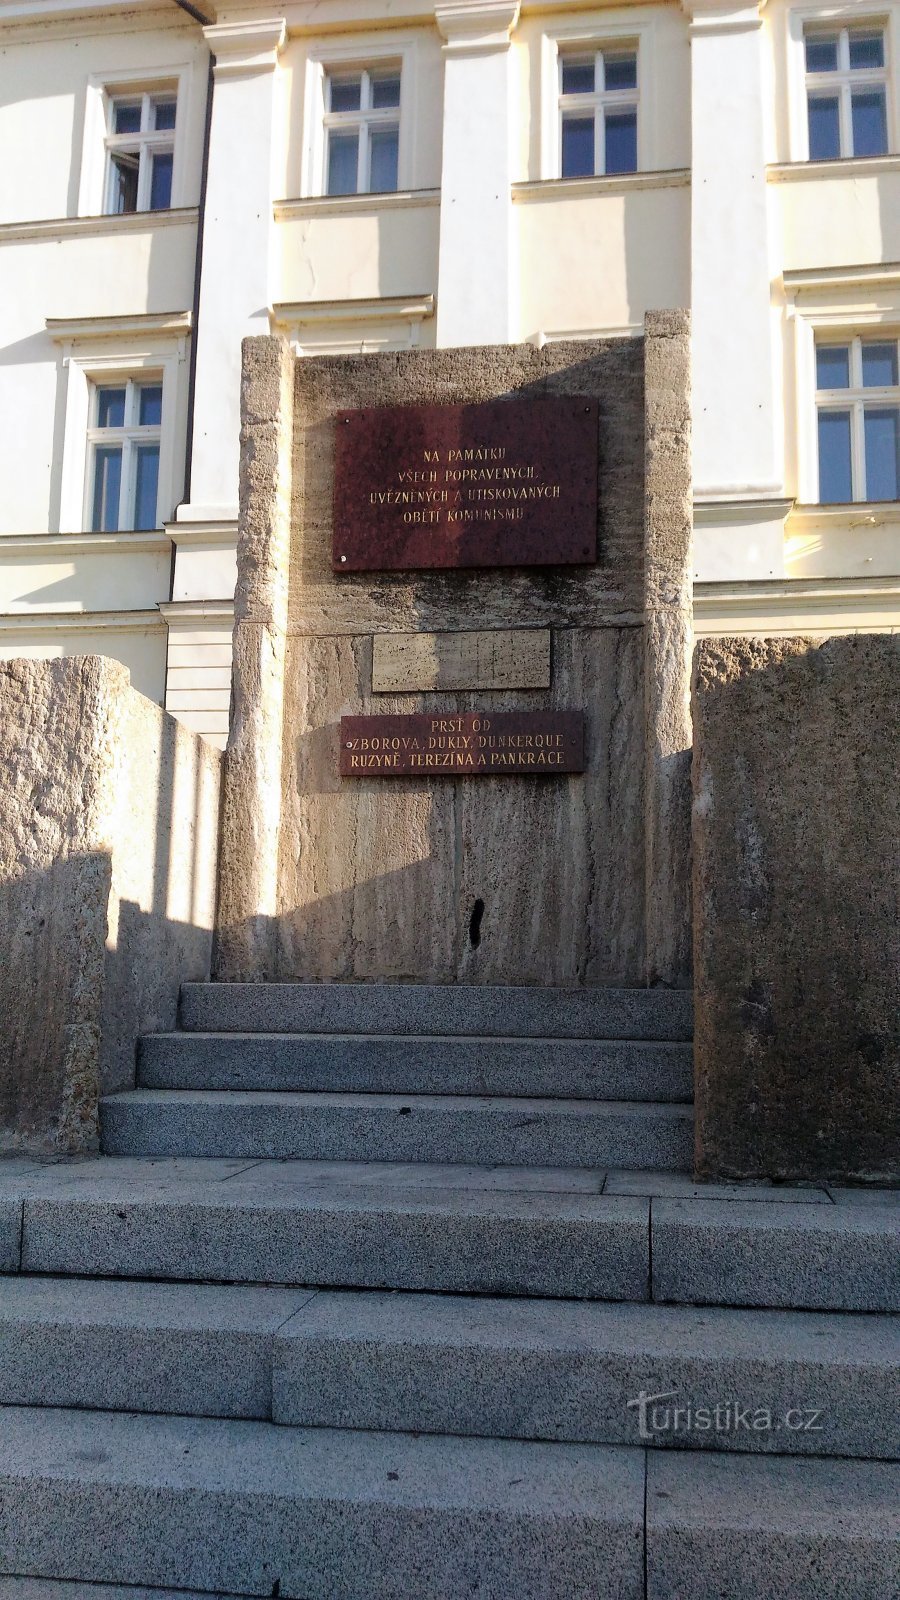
{"x": 598, "y": 101}
{"x": 129, "y": 437}
{"x": 147, "y": 142}
{"x": 172, "y": 81}
{"x": 580, "y": 37}
{"x": 830, "y": 18}
{"x": 362, "y": 122}
{"x": 371, "y": 53}
{"x": 845, "y": 79}
{"x": 856, "y": 399}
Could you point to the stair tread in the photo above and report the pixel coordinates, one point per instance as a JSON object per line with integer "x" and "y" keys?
{"x": 544, "y": 1105}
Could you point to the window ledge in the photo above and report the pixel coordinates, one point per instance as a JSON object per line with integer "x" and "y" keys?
{"x": 615, "y": 183}
{"x": 90, "y": 621}
{"x": 23, "y": 545}
{"x": 852, "y": 514}
{"x": 93, "y": 227}
{"x": 842, "y": 167}
{"x": 392, "y": 308}
{"x": 341, "y": 205}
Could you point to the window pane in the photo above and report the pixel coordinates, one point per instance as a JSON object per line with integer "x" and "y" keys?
{"x": 385, "y": 92}
{"x": 882, "y": 431}
{"x": 824, "y": 128}
{"x": 344, "y": 94}
{"x": 163, "y": 114}
{"x": 620, "y": 72}
{"x": 578, "y": 77}
{"x": 821, "y": 53}
{"x": 835, "y": 481}
{"x": 161, "y": 181}
{"x": 110, "y": 408}
{"x": 879, "y": 365}
{"x": 866, "y": 50}
{"x": 383, "y": 144}
{"x": 146, "y": 479}
{"x": 832, "y": 366}
{"x": 343, "y": 154}
{"x": 126, "y": 118}
{"x": 107, "y": 482}
{"x": 124, "y": 183}
{"x": 578, "y": 147}
{"x": 150, "y": 405}
{"x": 621, "y": 141}
{"x": 869, "y": 123}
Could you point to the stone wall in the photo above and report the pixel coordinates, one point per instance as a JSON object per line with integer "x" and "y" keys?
{"x": 108, "y": 841}
{"x": 796, "y": 821}
{"x": 485, "y": 880}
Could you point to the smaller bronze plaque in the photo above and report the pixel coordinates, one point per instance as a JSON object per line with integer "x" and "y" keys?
{"x": 457, "y": 744}
{"x": 510, "y": 483}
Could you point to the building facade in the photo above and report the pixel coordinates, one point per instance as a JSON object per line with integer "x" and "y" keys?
{"x": 374, "y": 175}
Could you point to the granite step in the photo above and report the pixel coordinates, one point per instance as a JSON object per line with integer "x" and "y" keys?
{"x": 369, "y": 1127}
{"x": 64, "y": 1589}
{"x": 576, "y": 1371}
{"x": 582, "y": 1069}
{"x": 323, "y": 1514}
{"x": 419, "y": 1009}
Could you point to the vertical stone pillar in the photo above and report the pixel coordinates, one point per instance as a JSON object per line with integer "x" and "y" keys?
{"x": 237, "y": 246}
{"x": 668, "y": 638}
{"x": 246, "y": 942}
{"x": 476, "y": 283}
{"x": 734, "y": 443}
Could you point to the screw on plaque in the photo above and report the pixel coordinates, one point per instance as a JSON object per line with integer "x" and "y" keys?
{"x": 343, "y": 558}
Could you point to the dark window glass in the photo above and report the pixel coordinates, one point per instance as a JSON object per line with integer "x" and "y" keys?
{"x": 869, "y": 119}
{"x": 620, "y": 72}
{"x": 621, "y": 141}
{"x": 345, "y": 94}
{"x": 107, "y": 483}
{"x": 146, "y": 480}
{"x": 832, "y": 366}
{"x": 110, "y": 408}
{"x": 124, "y": 182}
{"x": 835, "y": 478}
{"x": 150, "y": 405}
{"x": 821, "y": 53}
{"x": 824, "y": 128}
{"x": 163, "y": 114}
{"x": 879, "y": 365}
{"x": 385, "y": 93}
{"x": 578, "y": 77}
{"x": 126, "y": 118}
{"x": 161, "y": 181}
{"x": 866, "y": 49}
{"x": 343, "y": 154}
{"x": 882, "y": 437}
{"x": 577, "y": 147}
{"x": 383, "y": 150}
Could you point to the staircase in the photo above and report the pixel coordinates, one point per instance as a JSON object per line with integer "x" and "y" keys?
{"x": 363, "y": 1296}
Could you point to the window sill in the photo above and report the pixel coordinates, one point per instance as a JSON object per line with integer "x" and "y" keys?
{"x": 841, "y": 167}
{"x": 92, "y": 227}
{"x": 855, "y": 513}
{"x": 614, "y": 183}
{"x": 23, "y": 545}
{"x": 341, "y": 205}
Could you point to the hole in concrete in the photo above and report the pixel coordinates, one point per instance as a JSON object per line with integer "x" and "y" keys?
{"x": 475, "y": 924}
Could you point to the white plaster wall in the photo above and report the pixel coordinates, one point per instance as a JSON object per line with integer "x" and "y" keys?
{"x": 141, "y": 649}
{"x": 358, "y": 255}
{"x": 112, "y": 578}
{"x": 837, "y": 219}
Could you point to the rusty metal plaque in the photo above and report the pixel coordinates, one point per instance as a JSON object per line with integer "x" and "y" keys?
{"x": 469, "y": 743}
{"x": 512, "y": 483}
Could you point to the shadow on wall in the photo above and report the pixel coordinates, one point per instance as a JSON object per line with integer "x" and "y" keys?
{"x": 797, "y": 907}
{"x": 108, "y": 842}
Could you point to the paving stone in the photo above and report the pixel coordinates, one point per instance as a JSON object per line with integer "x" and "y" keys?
{"x": 680, "y": 1185}
{"x": 10, "y": 1232}
{"x": 425, "y": 1175}
{"x": 865, "y": 1197}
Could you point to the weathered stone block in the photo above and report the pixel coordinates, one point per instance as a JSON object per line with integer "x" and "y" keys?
{"x": 515, "y": 658}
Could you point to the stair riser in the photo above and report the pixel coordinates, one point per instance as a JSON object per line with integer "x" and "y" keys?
{"x": 582, "y": 1069}
{"x": 486, "y": 1135}
{"x": 437, "y": 1009}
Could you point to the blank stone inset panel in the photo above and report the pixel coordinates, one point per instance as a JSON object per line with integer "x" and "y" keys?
{"x": 517, "y": 658}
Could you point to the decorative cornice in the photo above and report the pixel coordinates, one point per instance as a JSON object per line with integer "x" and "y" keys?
{"x": 392, "y": 308}
{"x": 213, "y": 612}
{"x": 475, "y": 27}
{"x": 82, "y": 621}
{"x": 880, "y": 274}
{"x": 97, "y": 227}
{"x": 585, "y": 188}
{"x": 340, "y": 205}
{"x": 193, "y": 534}
{"x": 68, "y": 330}
{"x": 245, "y": 47}
{"x": 842, "y": 167}
{"x": 723, "y": 16}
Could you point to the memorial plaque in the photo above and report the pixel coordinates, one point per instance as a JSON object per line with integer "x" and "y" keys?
{"x": 512, "y": 483}
{"x": 533, "y": 743}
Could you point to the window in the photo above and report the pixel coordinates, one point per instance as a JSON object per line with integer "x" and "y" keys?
{"x": 598, "y": 112}
{"x": 140, "y": 151}
{"x": 858, "y": 416}
{"x": 124, "y": 441}
{"x": 846, "y": 91}
{"x": 362, "y": 130}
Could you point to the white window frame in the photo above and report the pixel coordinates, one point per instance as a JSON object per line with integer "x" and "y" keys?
{"x": 845, "y": 79}
{"x": 88, "y": 366}
{"x": 596, "y": 103}
{"x": 362, "y": 122}
{"x": 581, "y": 38}
{"x": 857, "y": 400}
{"x": 831, "y": 18}
{"x": 129, "y": 436}
{"x": 373, "y": 54}
{"x": 148, "y": 142}
{"x": 173, "y": 82}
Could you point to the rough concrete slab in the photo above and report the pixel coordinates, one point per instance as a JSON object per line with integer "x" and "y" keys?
{"x": 194, "y": 1350}
{"x": 728, "y": 1527}
{"x": 550, "y": 1369}
{"x": 336, "y": 1127}
{"x": 371, "y": 1237}
{"x": 726, "y": 1252}
{"x": 391, "y": 1064}
{"x": 398, "y": 1008}
{"x": 322, "y": 1515}
{"x": 10, "y": 1232}
{"x": 424, "y": 1175}
{"x": 681, "y": 1186}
